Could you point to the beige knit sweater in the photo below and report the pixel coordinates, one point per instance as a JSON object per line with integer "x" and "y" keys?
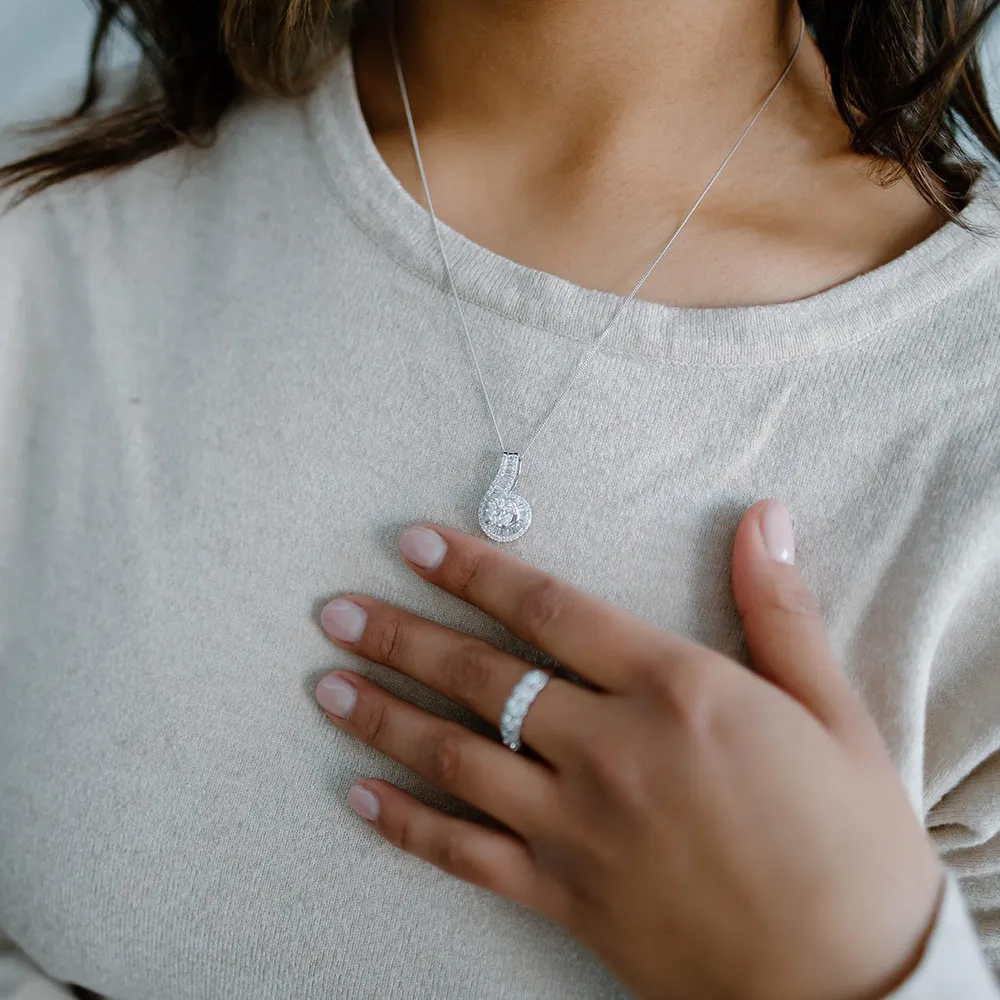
{"x": 228, "y": 378}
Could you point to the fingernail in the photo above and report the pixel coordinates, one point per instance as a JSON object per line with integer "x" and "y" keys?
{"x": 343, "y": 619}
{"x": 776, "y": 528}
{"x": 424, "y": 547}
{"x": 363, "y": 802}
{"x": 336, "y": 695}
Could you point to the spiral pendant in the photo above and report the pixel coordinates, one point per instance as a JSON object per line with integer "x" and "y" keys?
{"x": 503, "y": 515}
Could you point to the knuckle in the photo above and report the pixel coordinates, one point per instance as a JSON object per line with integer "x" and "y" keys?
{"x": 373, "y": 724}
{"x": 692, "y": 697}
{"x": 401, "y": 832}
{"x": 387, "y": 642}
{"x": 623, "y": 772}
{"x": 444, "y": 761}
{"x": 542, "y": 605}
{"x": 785, "y": 596}
{"x": 618, "y": 766}
{"x": 449, "y": 854}
{"x": 560, "y": 903}
{"x": 468, "y": 670}
{"x": 466, "y": 571}
{"x": 696, "y": 708}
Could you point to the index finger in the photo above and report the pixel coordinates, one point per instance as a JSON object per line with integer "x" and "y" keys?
{"x": 600, "y": 641}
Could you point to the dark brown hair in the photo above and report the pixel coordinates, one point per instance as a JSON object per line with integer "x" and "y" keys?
{"x": 905, "y": 75}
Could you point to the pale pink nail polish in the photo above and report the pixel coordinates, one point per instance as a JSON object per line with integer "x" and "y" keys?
{"x": 776, "y": 528}
{"x": 336, "y": 695}
{"x": 343, "y": 619}
{"x": 423, "y": 546}
{"x": 363, "y": 802}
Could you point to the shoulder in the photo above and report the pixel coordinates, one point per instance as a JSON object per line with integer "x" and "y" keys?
{"x": 961, "y": 339}
{"x": 963, "y": 325}
{"x": 102, "y": 270}
{"x": 188, "y": 200}
{"x": 949, "y": 289}
{"x": 977, "y": 247}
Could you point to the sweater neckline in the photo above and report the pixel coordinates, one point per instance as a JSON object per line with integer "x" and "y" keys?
{"x": 836, "y": 318}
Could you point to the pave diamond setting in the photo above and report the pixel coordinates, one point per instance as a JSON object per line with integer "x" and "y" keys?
{"x": 516, "y": 708}
{"x": 503, "y": 515}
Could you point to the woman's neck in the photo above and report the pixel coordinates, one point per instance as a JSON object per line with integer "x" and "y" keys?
{"x": 586, "y": 65}
{"x": 571, "y": 135}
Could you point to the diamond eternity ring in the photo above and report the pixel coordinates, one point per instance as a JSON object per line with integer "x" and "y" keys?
{"x": 518, "y": 702}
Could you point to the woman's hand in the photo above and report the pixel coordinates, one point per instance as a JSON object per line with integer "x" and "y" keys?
{"x": 706, "y": 830}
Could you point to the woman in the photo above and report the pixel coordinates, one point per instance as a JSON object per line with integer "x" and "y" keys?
{"x": 236, "y": 365}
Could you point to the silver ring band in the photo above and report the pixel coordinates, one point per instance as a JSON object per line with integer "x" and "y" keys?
{"x": 525, "y": 691}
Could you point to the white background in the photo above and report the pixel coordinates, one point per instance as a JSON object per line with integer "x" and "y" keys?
{"x": 44, "y": 43}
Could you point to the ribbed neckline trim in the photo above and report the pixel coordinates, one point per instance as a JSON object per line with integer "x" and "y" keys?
{"x": 843, "y": 315}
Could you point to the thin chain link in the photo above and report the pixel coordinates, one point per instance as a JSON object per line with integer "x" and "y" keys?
{"x": 586, "y": 355}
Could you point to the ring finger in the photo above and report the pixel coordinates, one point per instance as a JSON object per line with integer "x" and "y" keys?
{"x": 509, "y": 787}
{"x": 462, "y": 667}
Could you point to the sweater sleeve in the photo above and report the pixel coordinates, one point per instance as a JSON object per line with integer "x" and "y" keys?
{"x": 967, "y": 833}
{"x": 962, "y": 782}
{"x": 20, "y": 978}
{"x": 953, "y": 966}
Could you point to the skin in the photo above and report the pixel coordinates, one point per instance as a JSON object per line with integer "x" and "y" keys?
{"x": 574, "y": 136}
{"x": 707, "y": 830}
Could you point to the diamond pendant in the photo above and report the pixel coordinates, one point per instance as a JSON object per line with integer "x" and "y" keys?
{"x": 503, "y": 515}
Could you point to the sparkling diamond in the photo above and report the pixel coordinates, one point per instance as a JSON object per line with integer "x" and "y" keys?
{"x": 503, "y": 515}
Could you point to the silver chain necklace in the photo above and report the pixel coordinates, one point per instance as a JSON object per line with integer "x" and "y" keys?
{"x": 503, "y": 515}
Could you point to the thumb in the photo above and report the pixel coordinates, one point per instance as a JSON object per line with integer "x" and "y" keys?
{"x": 783, "y": 626}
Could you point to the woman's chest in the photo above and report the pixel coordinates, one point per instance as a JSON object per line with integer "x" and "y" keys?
{"x": 173, "y": 821}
